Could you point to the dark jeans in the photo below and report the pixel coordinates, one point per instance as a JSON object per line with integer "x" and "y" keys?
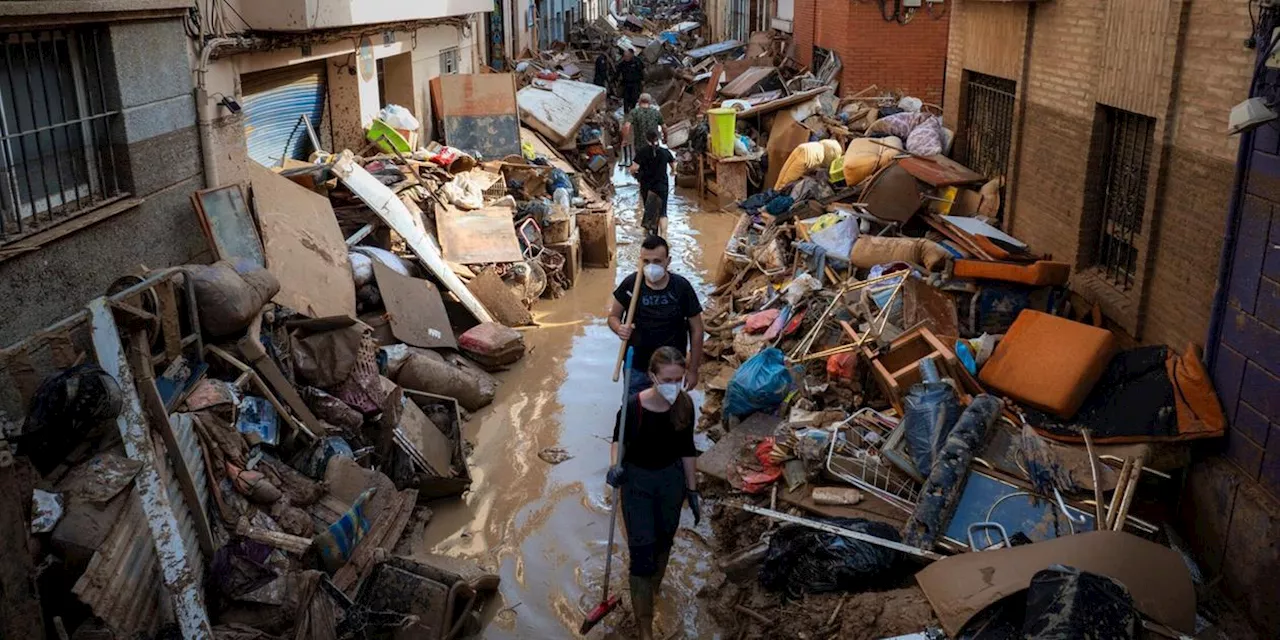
{"x": 639, "y": 382}
{"x": 652, "y": 225}
{"x": 651, "y": 503}
{"x": 630, "y": 96}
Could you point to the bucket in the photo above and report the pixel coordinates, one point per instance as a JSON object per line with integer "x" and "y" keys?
{"x": 723, "y": 130}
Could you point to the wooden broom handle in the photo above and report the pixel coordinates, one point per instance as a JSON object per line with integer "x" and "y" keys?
{"x": 631, "y": 322}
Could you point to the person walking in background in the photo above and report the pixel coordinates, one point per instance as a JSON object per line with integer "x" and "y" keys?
{"x": 630, "y": 79}
{"x": 656, "y": 474}
{"x": 640, "y": 121}
{"x": 653, "y": 164}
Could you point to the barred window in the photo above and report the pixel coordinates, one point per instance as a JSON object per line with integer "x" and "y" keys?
{"x": 55, "y": 129}
{"x": 1126, "y": 141}
{"x": 448, "y": 61}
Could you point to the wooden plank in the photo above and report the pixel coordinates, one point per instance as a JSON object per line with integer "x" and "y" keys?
{"x": 170, "y": 326}
{"x": 383, "y": 534}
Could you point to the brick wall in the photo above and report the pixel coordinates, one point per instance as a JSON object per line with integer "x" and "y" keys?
{"x": 909, "y": 58}
{"x": 1187, "y": 78}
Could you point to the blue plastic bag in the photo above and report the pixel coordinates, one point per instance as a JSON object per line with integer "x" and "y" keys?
{"x": 760, "y": 384}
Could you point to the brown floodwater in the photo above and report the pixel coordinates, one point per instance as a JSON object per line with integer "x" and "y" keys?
{"x": 542, "y": 527}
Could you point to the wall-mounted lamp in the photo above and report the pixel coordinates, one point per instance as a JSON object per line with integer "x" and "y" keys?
{"x": 230, "y": 105}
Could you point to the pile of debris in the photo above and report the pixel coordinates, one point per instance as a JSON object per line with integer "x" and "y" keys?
{"x": 248, "y": 447}
{"x": 896, "y": 385}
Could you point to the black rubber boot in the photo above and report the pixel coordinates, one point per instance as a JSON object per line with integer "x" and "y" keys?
{"x": 642, "y": 605}
{"x": 661, "y": 573}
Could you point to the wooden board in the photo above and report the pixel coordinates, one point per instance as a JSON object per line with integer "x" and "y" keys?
{"x": 747, "y": 81}
{"x": 478, "y": 237}
{"x": 415, "y": 309}
{"x": 304, "y": 247}
{"x": 940, "y": 171}
{"x": 505, "y": 306}
{"x": 785, "y": 135}
{"x": 540, "y": 147}
{"x": 599, "y": 238}
{"x": 479, "y": 112}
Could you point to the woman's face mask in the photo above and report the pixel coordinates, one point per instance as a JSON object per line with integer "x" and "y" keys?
{"x": 669, "y": 391}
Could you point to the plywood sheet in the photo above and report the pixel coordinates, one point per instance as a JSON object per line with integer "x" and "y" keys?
{"x": 746, "y": 83}
{"x": 940, "y": 171}
{"x": 560, "y": 109}
{"x": 505, "y": 306}
{"x": 478, "y": 237}
{"x": 784, "y": 137}
{"x": 479, "y": 112}
{"x": 304, "y": 247}
{"x": 415, "y": 309}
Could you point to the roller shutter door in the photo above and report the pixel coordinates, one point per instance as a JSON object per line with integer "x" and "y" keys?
{"x": 274, "y": 102}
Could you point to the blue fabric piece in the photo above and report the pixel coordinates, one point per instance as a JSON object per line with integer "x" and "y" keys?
{"x": 780, "y": 205}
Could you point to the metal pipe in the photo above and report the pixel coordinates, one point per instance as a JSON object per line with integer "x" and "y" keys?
{"x": 204, "y": 115}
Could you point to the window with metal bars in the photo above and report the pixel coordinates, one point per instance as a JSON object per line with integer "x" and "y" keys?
{"x": 986, "y": 126}
{"x": 1123, "y": 142}
{"x": 449, "y": 61}
{"x": 56, "y": 117}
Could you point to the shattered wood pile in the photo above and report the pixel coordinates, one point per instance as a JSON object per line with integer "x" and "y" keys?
{"x": 240, "y": 448}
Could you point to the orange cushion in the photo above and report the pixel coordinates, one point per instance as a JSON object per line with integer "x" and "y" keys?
{"x": 1038, "y": 274}
{"x": 1049, "y": 363}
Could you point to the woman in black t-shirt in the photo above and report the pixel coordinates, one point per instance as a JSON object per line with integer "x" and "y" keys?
{"x": 656, "y": 475}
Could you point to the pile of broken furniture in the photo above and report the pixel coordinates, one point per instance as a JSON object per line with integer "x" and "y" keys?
{"x": 880, "y": 351}
{"x": 250, "y": 447}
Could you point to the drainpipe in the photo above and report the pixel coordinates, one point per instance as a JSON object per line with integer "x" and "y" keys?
{"x": 205, "y": 111}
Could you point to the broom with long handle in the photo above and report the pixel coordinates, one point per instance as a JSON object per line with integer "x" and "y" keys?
{"x": 607, "y": 603}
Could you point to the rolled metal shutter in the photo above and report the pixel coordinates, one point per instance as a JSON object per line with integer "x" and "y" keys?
{"x": 274, "y": 102}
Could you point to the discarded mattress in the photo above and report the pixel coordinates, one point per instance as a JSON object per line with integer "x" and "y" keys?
{"x": 1049, "y": 363}
{"x": 560, "y": 109}
{"x": 1146, "y": 394}
{"x": 865, "y": 156}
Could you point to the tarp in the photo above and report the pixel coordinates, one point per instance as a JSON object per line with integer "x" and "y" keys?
{"x": 559, "y": 110}
{"x": 479, "y": 112}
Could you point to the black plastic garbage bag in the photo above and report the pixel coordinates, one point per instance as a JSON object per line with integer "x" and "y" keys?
{"x": 802, "y": 560}
{"x": 1064, "y": 603}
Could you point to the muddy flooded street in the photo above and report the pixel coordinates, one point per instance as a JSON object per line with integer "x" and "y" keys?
{"x": 544, "y": 527}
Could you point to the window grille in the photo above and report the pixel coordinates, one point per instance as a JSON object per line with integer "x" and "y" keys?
{"x": 1121, "y": 197}
{"x": 449, "y": 61}
{"x": 986, "y": 131}
{"x": 56, "y": 117}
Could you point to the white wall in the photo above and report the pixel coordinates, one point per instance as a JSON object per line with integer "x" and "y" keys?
{"x": 353, "y": 101}
{"x": 305, "y": 15}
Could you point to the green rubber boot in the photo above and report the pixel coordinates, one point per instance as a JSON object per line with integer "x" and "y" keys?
{"x": 642, "y": 604}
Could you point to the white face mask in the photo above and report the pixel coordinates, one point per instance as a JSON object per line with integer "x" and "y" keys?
{"x": 668, "y": 390}
{"x": 654, "y": 272}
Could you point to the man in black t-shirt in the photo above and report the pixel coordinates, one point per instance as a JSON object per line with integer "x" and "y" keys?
{"x": 667, "y": 314}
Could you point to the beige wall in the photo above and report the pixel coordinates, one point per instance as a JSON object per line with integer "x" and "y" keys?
{"x": 409, "y": 62}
